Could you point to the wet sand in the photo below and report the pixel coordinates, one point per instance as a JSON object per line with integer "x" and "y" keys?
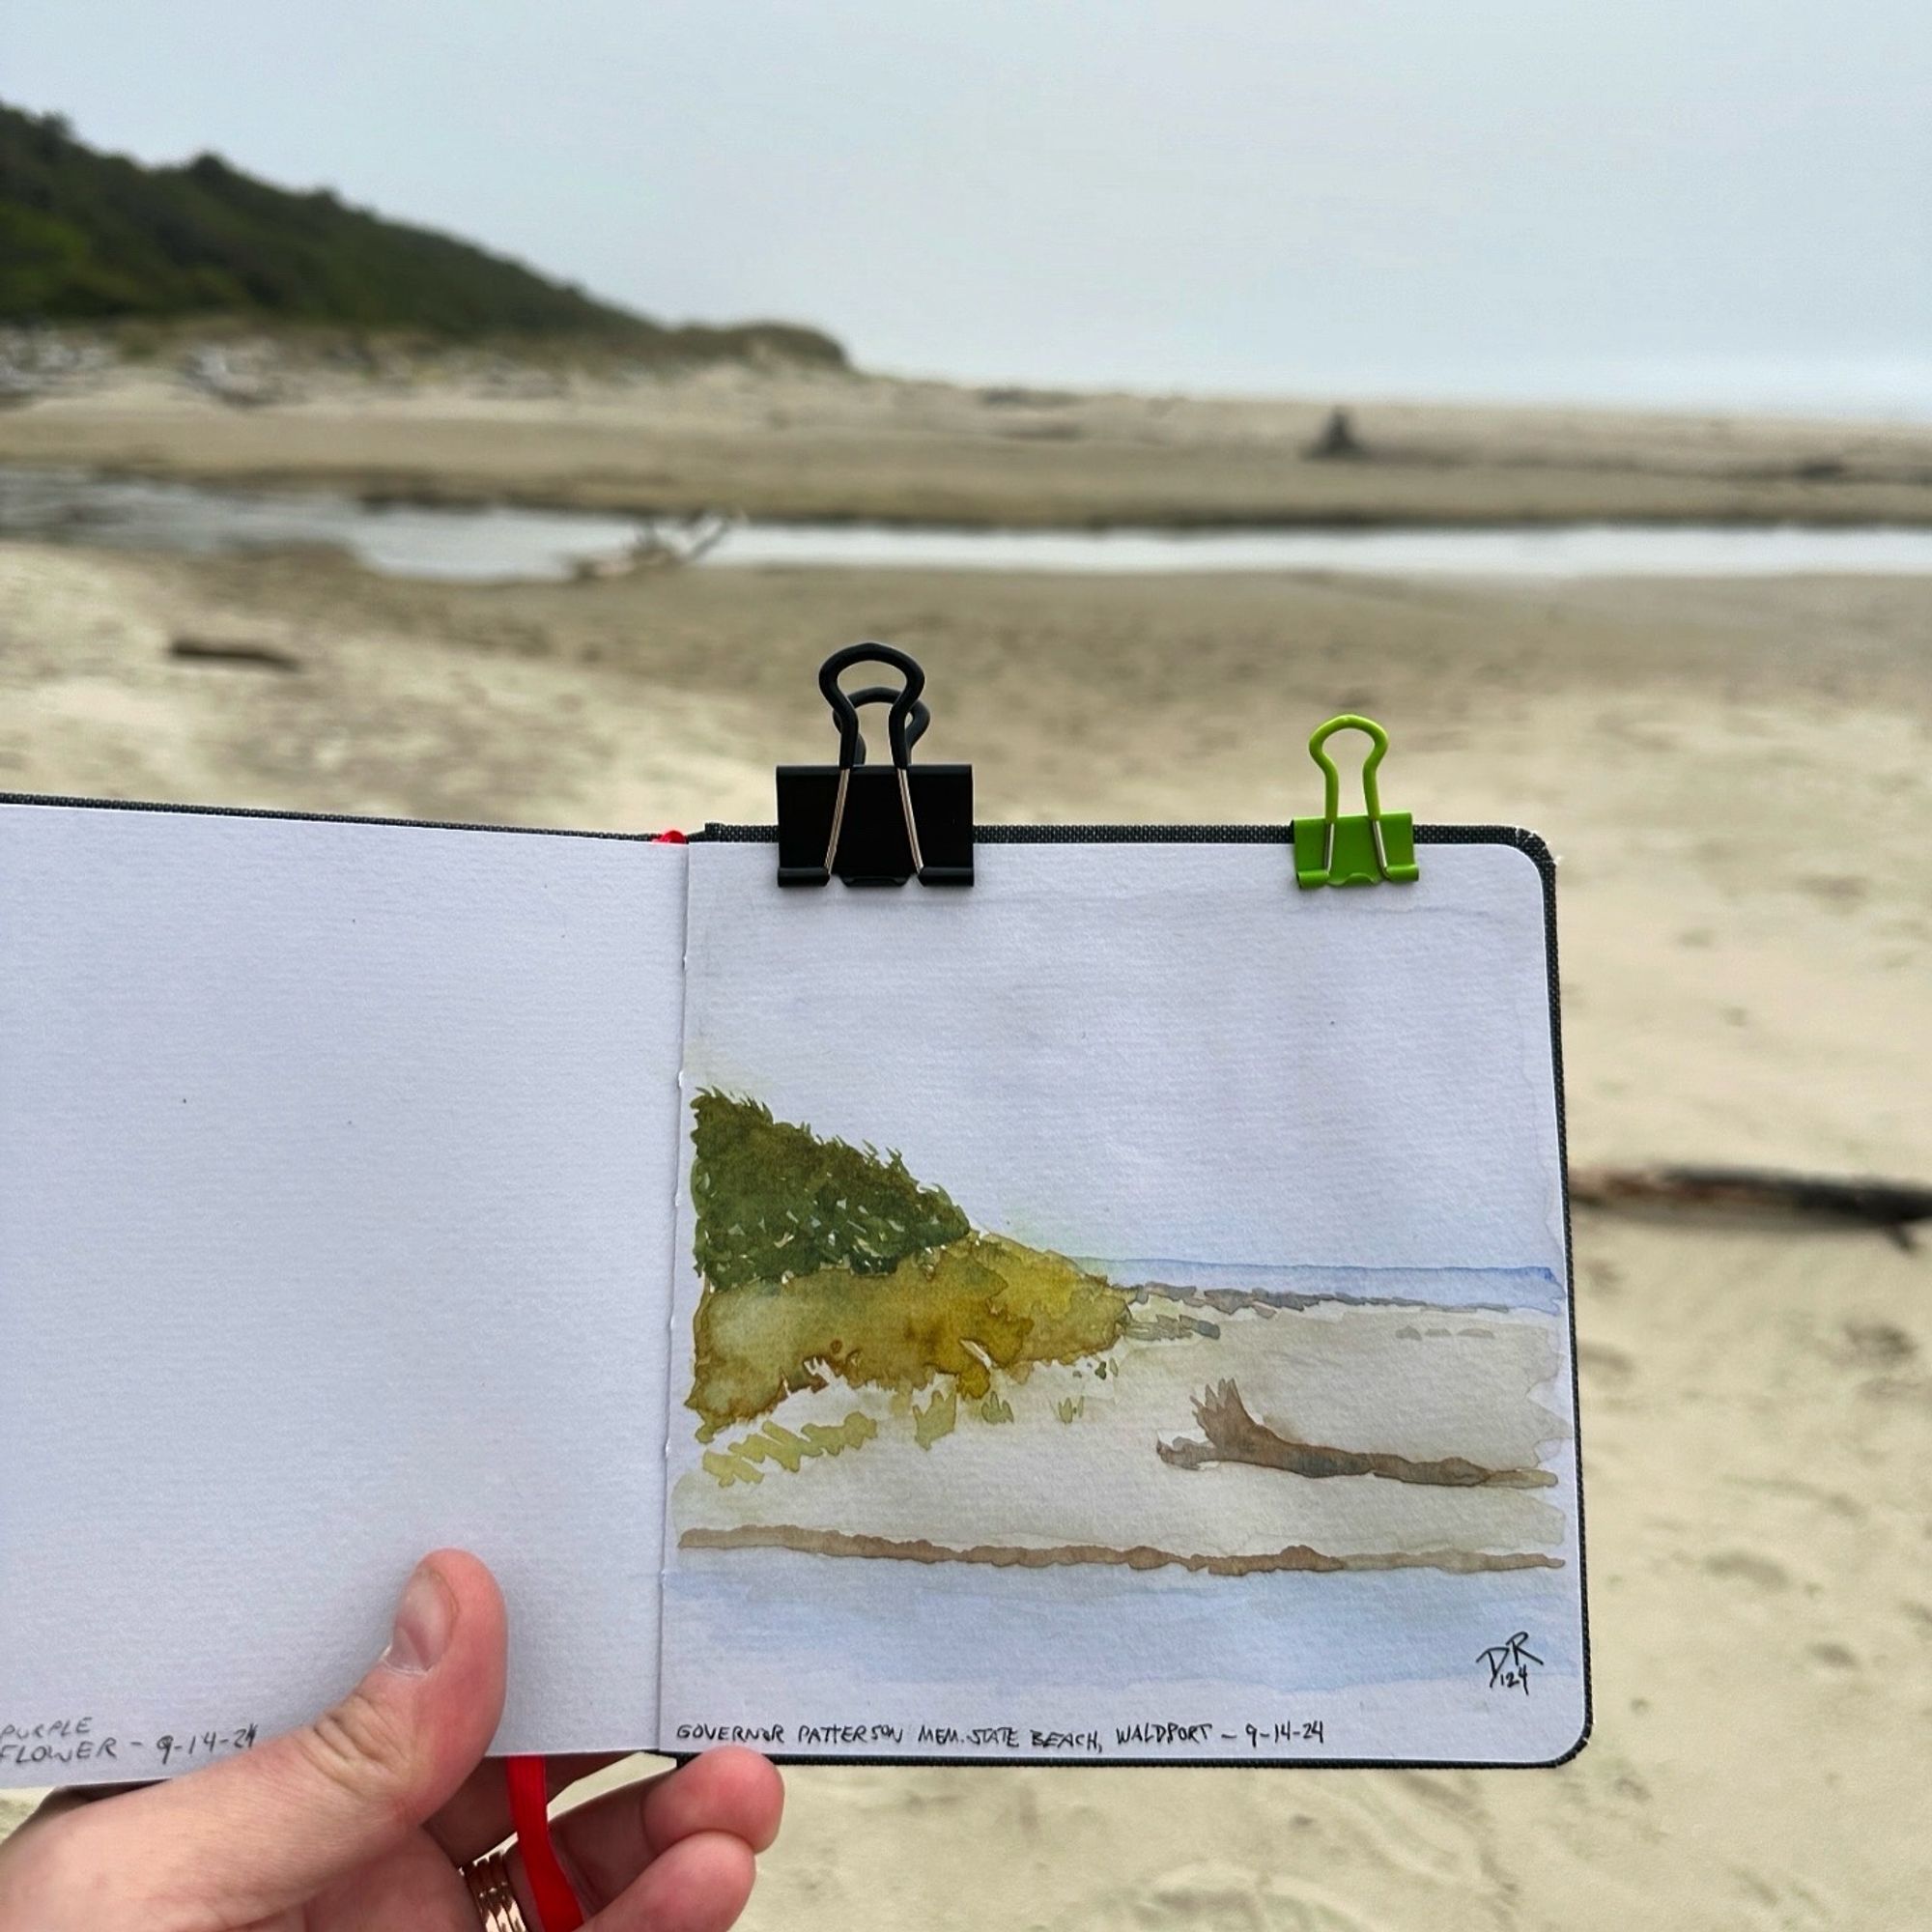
{"x": 1737, "y": 780}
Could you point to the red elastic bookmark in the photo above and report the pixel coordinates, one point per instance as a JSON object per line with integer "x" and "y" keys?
{"x": 559, "y": 1908}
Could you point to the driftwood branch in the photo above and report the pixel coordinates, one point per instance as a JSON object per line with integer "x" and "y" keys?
{"x": 1234, "y": 1436}
{"x": 661, "y": 545}
{"x": 1892, "y": 1206}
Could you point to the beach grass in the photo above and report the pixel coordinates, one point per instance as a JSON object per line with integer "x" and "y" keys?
{"x": 965, "y": 1310}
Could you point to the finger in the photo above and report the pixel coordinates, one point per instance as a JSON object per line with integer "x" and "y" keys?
{"x": 731, "y": 1789}
{"x": 477, "y": 1819}
{"x": 609, "y": 1842}
{"x": 699, "y": 1884}
{"x": 260, "y": 1834}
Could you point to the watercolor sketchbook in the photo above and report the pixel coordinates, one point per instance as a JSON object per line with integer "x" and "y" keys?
{"x": 1118, "y": 1313}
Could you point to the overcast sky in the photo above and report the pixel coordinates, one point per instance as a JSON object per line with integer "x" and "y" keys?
{"x": 1722, "y": 201}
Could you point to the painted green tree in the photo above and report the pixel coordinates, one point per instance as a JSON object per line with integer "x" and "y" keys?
{"x": 774, "y": 1199}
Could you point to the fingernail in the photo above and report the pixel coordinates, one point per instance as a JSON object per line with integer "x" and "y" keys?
{"x": 424, "y": 1620}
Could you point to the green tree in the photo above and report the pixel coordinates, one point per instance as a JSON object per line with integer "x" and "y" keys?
{"x": 774, "y": 1201}
{"x": 97, "y": 237}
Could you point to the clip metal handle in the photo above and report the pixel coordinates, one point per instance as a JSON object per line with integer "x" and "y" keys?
{"x": 846, "y": 704}
{"x": 885, "y": 694}
{"x": 905, "y": 726}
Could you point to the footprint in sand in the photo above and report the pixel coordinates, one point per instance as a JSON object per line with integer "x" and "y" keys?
{"x": 1213, "y": 1897}
{"x": 1763, "y": 1572}
{"x": 1602, "y": 1362}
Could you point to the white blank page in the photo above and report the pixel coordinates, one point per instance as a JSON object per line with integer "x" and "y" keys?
{"x": 336, "y": 1170}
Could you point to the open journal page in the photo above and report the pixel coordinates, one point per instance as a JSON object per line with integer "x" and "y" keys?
{"x": 336, "y": 1169}
{"x": 1122, "y": 1314}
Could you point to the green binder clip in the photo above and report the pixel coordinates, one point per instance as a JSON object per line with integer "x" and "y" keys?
{"x": 1356, "y": 851}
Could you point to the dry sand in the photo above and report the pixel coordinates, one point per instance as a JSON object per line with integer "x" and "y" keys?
{"x": 1737, "y": 782}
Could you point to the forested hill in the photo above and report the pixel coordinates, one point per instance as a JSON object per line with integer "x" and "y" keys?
{"x": 86, "y": 236}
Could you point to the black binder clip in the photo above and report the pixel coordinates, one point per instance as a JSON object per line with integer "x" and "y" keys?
{"x": 875, "y": 825}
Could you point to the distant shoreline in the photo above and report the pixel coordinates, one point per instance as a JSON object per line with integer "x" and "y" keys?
{"x": 380, "y": 488}
{"x": 376, "y": 488}
{"x": 790, "y": 445}
{"x": 1228, "y": 1300}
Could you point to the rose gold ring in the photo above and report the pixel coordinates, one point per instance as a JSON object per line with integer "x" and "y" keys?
{"x": 489, "y": 1880}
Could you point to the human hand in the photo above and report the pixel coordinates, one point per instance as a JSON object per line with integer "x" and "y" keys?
{"x": 359, "y": 1821}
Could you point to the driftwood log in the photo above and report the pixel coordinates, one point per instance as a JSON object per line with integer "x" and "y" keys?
{"x": 1892, "y": 1207}
{"x": 216, "y": 650}
{"x": 1337, "y": 441}
{"x": 1234, "y": 1436}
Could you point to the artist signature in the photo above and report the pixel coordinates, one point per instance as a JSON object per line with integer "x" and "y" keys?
{"x": 1510, "y": 1664}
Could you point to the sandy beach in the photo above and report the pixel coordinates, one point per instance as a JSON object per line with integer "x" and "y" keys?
{"x": 1735, "y": 777}
{"x": 1321, "y": 1365}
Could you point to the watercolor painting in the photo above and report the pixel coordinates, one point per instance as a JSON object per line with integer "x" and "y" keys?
{"x": 1122, "y": 1314}
{"x": 876, "y": 1378}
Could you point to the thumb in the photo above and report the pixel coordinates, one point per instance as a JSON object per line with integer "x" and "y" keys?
{"x": 257, "y": 1834}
